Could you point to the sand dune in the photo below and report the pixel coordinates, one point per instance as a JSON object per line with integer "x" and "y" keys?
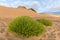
{"x": 6, "y": 15}
{"x": 13, "y": 12}
{"x": 21, "y": 11}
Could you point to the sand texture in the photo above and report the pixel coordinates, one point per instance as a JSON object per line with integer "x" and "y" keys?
{"x": 7, "y": 14}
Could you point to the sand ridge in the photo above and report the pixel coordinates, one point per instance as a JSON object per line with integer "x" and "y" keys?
{"x": 7, "y": 14}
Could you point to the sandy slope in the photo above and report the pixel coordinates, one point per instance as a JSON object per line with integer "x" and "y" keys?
{"x": 13, "y": 12}
{"x": 6, "y": 15}
{"x": 20, "y": 11}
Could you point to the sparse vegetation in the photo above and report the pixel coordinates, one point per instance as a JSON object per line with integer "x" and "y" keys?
{"x": 46, "y": 22}
{"x": 32, "y": 9}
{"x": 22, "y": 7}
{"x": 26, "y": 26}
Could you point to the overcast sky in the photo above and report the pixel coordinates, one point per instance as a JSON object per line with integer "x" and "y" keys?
{"x": 38, "y": 5}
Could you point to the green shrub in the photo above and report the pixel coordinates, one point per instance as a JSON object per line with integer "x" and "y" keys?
{"x": 46, "y": 22}
{"x": 26, "y": 26}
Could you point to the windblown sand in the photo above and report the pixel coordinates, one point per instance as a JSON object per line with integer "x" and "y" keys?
{"x": 52, "y": 32}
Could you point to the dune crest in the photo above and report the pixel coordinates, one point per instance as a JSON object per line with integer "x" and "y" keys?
{"x": 20, "y": 11}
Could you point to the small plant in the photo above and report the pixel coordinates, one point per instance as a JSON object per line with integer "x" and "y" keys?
{"x": 46, "y": 22}
{"x": 26, "y": 26}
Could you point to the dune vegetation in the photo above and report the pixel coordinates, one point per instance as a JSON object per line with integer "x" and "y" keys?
{"x": 32, "y": 9}
{"x": 46, "y": 22}
{"x": 26, "y": 26}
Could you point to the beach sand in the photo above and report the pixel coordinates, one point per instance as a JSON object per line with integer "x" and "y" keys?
{"x": 7, "y": 14}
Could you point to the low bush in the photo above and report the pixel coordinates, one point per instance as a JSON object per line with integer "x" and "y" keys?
{"x": 26, "y": 26}
{"x": 46, "y": 22}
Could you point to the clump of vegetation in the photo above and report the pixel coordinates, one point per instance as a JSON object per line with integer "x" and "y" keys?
{"x": 22, "y": 7}
{"x": 46, "y": 22}
{"x": 32, "y": 9}
{"x": 26, "y": 26}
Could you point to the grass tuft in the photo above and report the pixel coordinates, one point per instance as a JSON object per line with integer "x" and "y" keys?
{"x": 26, "y": 26}
{"x": 46, "y": 22}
